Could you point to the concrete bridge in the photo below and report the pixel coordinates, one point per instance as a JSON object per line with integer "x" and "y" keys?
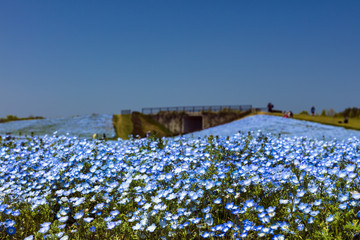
{"x": 180, "y": 120}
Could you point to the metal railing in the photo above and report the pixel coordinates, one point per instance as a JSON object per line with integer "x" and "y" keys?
{"x": 215, "y": 108}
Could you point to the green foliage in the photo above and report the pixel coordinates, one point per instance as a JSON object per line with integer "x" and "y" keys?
{"x": 351, "y": 112}
{"x": 331, "y": 113}
{"x": 304, "y": 112}
{"x": 10, "y": 118}
{"x": 323, "y": 113}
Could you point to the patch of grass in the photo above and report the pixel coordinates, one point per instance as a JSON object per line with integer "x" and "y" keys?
{"x": 11, "y": 118}
{"x": 354, "y": 123}
{"x": 123, "y": 125}
{"x": 143, "y": 123}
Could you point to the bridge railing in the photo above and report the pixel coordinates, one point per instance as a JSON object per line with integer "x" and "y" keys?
{"x": 214, "y": 108}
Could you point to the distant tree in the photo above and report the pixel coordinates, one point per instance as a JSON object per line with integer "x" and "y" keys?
{"x": 304, "y": 112}
{"x": 350, "y": 112}
{"x": 12, "y": 117}
{"x": 323, "y": 113}
{"x": 331, "y": 112}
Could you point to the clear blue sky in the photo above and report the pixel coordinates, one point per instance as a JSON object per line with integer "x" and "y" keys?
{"x": 72, "y": 57}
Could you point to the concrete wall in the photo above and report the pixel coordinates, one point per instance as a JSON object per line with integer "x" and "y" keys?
{"x": 183, "y": 122}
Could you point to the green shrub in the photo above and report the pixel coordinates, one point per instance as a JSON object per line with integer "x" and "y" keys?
{"x": 304, "y": 112}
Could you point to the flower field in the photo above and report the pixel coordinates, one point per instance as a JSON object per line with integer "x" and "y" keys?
{"x": 247, "y": 186}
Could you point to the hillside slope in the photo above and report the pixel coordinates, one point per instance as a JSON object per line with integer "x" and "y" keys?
{"x": 279, "y": 125}
{"x": 81, "y": 126}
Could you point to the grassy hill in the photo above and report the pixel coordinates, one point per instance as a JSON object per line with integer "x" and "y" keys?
{"x": 138, "y": 124}
{"x": 123, "y": 125}
{"x": 354, "y": 123}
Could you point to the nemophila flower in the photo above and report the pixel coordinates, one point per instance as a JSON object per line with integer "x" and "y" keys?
{"x": 9, "y": 223}
{"x": 270, "y": 210}
{"x": 108, "y": 218}
{"x": 352, "y": 175}
{"x": 343, "y": 206}
{"x": 278, "y": 237}
{"x": 205, "y": 235}
{"x": 356, "y": 196}
{"x": 114, "y": 213}
{"x": 206, "y": 210}
{"x": 283, "y": 201}
{"x": 31, "y": 237}
{"x": 218, "y": 228}
{"x": 330, "y": 218}
{"x": 61, "y": 226}
{"x": 284, "y": 226}
{"x": 243, "y": 235}
{"x": 248, "y": 204}
{"x": 217, "y": 201}
{"x": 209, "y": 220}
{"x": 66, "y": 237}
{"x": 137, "y": 226}
{"x": 63, "y": 219}
{"x": 8, "y": 211}
{"x": 88, "y": 219}
{"x": 314, "y": 213}
{"x": 261, "y": 215}
{"x": 44, "y": 229}
{"x": 260, "y": 208}
{"x": 10, "y": 230}
{"x": 302, "y": 206}
{"x": 60, "y": 234}
{"x": 300, "y": 227}
{"x": 274, "y": 226}
{"x": 350, "y": 167}
{"x": 92, "y": 229}
{"x": 3, "y": 207}
{"x": 110, "y": 225}
{"x": 163, "y": 223}
{"x": 151, "y": 228}
{"x": 313, "y": 189}
{"x": 343, "y": 197}
{"x": 79, "y": 201}
{"x": 78, "y": 215}
{"x": 318, "y": 202}
{"x": 358, "y": 214}
{"x": 16, "y": 213}
{"x": 229, "y": 206}
{"x": 195, "y": 220}
{"x": 300, "y": 193}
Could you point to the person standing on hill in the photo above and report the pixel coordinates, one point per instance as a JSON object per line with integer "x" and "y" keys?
{"x": 313, "y": 110}
{"x": 270, "y": 107}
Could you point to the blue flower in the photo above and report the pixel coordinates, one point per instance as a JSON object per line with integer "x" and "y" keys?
{"x": 205, "y": 235}
{"x": 358, "y": 214}
{"x": 88, "y": 219}
{"x": 10, "y": 230}
{"x": 92, "y": 229}
{"x": 110, "y": 225}
{"x": 44, "y": 229}
{"x": 151, "y": 228}
{"x": 217, "y": 201}
{"x": 206, "y": 210}
{"x": 78, "y": 215}
{"x": 330, "y": 218}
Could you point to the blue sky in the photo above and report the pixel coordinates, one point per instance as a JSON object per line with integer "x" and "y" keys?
{"x": 64, "y": 58}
